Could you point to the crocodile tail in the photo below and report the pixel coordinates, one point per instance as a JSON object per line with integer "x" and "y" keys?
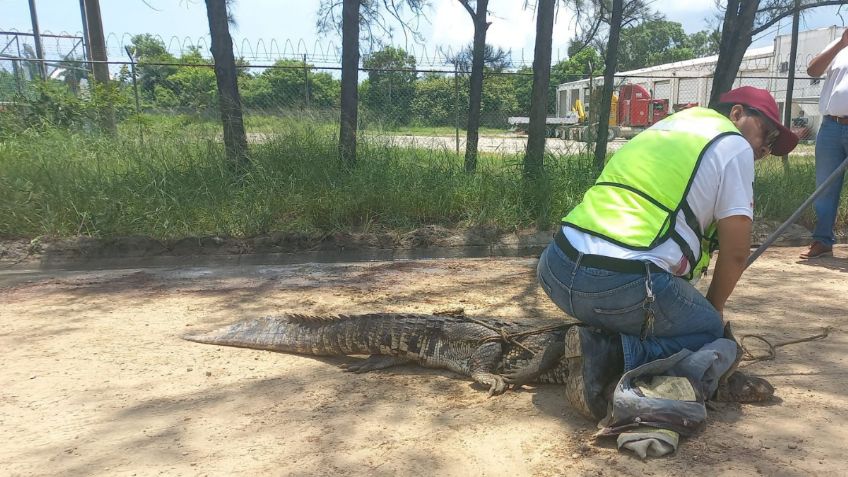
{"x": 304, "y": 334}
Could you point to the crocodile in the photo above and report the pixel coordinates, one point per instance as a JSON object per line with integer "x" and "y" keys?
{"x": 494, "y": 353}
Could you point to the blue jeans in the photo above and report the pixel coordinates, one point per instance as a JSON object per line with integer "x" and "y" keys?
{"x": 614, "y": 301}
{"x": 831, "y": 151}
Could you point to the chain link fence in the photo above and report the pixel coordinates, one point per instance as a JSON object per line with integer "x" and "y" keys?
{"x": 405, "y": 105}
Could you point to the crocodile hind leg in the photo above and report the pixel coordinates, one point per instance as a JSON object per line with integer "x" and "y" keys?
{"x": 484, "y": 364}
{"x": 374, "y": 362}
{"x": 541, "y": 362}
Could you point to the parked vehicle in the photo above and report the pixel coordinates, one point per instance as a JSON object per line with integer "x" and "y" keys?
{"x": 632, "y": 111}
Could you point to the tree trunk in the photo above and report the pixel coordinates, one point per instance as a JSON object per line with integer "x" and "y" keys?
{"x": 476, "y": 88}
{"x": 790, "y": 80}
{"x": 735, "y": 40}
{"x": 534, "y": 158}
{"x": 609, "y": 79}
{"x": 97, "y": 44}
{"x": 350, "y": 81}
{"x": 36, "y": 36}
{"x": 235, "y": 140}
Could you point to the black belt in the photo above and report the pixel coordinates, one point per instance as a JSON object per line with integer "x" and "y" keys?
{"x": 602, "y": 262}
{"x": 839, "y": 119}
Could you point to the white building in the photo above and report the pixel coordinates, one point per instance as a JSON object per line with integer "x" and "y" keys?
{"x": 691, "y": 81}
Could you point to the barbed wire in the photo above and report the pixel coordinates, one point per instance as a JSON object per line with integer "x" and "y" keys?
{"x": 328, "y": 54}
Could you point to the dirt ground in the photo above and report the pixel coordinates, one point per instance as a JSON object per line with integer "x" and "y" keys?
{"x": 96, "y": 380}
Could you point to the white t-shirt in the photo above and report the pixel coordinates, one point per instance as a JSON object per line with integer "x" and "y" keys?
{"x": 723, "y": 187}
{"x": 834, "y": 95}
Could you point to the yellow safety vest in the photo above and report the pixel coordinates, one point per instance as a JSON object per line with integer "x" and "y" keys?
{"x": 637, "y": 198}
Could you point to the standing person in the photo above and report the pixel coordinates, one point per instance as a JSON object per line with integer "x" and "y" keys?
{"x": 831, "y": 141}
{"x": 623, "y": 257}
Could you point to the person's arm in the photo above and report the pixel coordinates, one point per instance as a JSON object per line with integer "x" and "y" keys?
{"x": 734, "y": 238}
{"x": 819, "y": 64}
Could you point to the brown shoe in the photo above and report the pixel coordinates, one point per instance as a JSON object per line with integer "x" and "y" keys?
{"x": 817, "y": 250}
{"x": 594, "y": 359}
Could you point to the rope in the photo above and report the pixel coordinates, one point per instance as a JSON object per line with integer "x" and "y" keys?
{"x": 772, "y": 348}
{"x": 507, "y": 337}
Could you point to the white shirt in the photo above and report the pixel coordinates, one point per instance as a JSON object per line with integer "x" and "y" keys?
{"x": 834, "y": 95}
{"x": 723, "y": 187}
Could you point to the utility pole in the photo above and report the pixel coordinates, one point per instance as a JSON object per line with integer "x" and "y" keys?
{"x": 39, "y": 51}
{"x": 85, "y": 41}
{"x": 790, "y": 81}
{"x": 97, "y": 45}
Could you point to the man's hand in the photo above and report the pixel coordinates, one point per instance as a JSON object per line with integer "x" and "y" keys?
{"x": 818, "y": 65}
{"x": 734, "y": 238}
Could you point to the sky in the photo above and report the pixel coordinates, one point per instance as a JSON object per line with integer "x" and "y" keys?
{"x": 266, "y": 28}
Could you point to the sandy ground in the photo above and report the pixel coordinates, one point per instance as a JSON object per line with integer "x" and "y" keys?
{"x": 96, "y": 380}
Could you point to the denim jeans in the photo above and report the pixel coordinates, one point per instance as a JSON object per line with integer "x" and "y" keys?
{"x": 613, "y": 301}
{"x": 831, "y": 151}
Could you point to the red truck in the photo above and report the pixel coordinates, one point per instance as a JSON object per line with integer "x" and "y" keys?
{"x": 631, "y": 112}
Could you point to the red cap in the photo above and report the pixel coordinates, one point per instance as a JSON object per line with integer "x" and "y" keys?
{"x": 762, "y": 101}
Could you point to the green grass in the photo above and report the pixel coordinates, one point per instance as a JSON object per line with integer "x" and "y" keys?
{"x": 779, "y": 190}
{"x": 176, "y": 182}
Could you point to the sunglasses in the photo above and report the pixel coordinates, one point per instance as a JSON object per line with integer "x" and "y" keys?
{"x": 772, "y": 133}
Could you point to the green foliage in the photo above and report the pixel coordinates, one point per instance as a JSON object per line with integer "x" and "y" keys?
{"x": 284, "y": 86}
{"x": 192, "y": 86}
{"x": 433, "y": 104}
{"x": 659, "y": 41}
{"x": 499, "y": 101}
{"x": 390, "y": 92}
{"x": 704, "y": 43}
{"x": 148, "y": 49}
{"x": 54, "y": 105}
{"x": 178, "y": 184}
{"x": 8, "y": 85}
{"x": 575, "y": 68}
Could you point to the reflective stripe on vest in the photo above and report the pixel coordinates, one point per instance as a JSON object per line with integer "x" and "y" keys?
{"x": 636, "y": 200}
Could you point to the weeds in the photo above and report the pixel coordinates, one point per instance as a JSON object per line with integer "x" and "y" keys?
{"x": 175, "y": 183}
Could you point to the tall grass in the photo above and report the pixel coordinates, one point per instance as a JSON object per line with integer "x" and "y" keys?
{"x": 779, "y": 189}
{"x": 176, "y": 183}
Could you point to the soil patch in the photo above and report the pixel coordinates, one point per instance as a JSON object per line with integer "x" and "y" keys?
{"x": 96, "y": 380}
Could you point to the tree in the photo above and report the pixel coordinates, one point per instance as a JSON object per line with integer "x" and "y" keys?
{"x": 743, "y": 19}
{"x": 154, "y": 64}
{"x": 286, "y": 86}
{"x": 371, "y": 15}
{"x": 391, "y": 78}
{"x": 494, "y": 58}
{"x": 537, "y": 131}
{"x": 610, "y": 64}
{"x": 71, "y": 71}
{"x": 350, "y": 81}
{"x": 194, "y": 85}
{"x": 97, "y": 46}
{"x": 592, "y": 19}
{"x": 659, "y": 41}
{"x": 614, "y": 15}
{"x": 478, "y": 17}
{"x": 226, "y": 77}
{"x": 704, "y": 43}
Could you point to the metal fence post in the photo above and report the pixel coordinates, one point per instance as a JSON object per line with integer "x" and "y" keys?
{"x": 135, "y": 92}
{"x": 456, "y": 101}
{"x": 306, "y": 82}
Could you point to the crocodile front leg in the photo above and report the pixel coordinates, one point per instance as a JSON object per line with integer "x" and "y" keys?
{"x": 484, "y": 364}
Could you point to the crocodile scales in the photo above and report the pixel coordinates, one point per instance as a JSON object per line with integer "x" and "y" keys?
{"x": 494, "y": 353}
{"x": 435, "y": 341}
